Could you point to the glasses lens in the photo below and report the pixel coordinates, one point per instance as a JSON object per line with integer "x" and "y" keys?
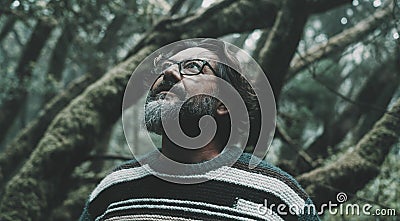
{"x": 192, "y": 67}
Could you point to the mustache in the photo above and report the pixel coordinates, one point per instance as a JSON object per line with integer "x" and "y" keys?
{"x": 179, "y": 90}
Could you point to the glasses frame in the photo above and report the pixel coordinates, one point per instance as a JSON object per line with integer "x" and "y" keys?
{"x": 180, "y": 64}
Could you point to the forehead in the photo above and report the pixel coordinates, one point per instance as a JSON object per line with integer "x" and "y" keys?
{"x": 194, "y": 52}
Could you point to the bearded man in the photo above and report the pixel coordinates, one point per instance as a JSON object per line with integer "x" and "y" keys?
{"x": 213, "y": 180}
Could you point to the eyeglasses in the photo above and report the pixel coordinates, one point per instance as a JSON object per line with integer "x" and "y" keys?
{"x": 186, "y": 67}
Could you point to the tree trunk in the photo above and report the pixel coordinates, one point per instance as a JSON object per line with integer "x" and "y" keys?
{"x": 281, "y": 44}
{"x": 31, "y": 52}
{"x": 60, "y": 51}
{"x": 109, "y": 41}
{"x": 19, "y": 149}
{"x": 278, "y": 50}
{"x": 59, "y": 55}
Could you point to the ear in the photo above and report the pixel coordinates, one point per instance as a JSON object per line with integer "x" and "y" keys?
{"x": 221, "y": 109}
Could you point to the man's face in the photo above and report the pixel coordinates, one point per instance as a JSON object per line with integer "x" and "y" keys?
{"x": 159, "y": 105}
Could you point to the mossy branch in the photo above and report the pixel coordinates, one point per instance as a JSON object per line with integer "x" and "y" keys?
{"x": 66, "y": 144}
{"x": 355, "y": 168}
{"x": 340, "y": 41}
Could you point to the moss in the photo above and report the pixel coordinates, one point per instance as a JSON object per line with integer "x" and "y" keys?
{"x": 30, "y": 188}
{"x": 376, "y": 144}
{"x": 67, "y": 141}
{"x": 72, "y": 207}
{"x": 19, "y": 149}
{"x": 355, "y": 169}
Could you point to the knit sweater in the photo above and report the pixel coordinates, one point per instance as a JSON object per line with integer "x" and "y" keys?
{"x": 231, "y": 192}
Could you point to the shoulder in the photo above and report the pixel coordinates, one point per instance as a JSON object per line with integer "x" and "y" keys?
{"x": 112, "y": 186}
{"x": 271, "y": 179}
{"x": 280, "y": 184}
{"x": 127, "y": 165}
{"x": 265, "y": 168}
{"x": 127, "y": 171}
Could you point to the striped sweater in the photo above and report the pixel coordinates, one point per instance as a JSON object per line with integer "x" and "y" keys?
{"x": 133, "y": 192}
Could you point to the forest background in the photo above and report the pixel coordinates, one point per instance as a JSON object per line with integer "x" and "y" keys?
{"x": 334, "y": 67}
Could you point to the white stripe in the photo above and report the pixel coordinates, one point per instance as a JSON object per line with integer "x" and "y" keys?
{"x": 119, "y": 177}
{"x": 248, "y": 179}
{"x": 176, "y": 208}
{"x": 146, "y": 217}
{"x": 225, "y": 174}
{"x": 254, "y": 208}
{"x": 264, "y": 183}
{"x": 188, "y": 203}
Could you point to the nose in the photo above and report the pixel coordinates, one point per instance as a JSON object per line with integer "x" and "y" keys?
{"x": 172, "y": 74}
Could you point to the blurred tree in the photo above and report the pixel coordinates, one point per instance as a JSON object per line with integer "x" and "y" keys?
{"x": 12, "y": 104}
{"x": 7, "y": 27}
{"x": 333, "y": 66}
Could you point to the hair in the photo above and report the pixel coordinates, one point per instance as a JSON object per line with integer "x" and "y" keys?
{"x": 228, "y": 68}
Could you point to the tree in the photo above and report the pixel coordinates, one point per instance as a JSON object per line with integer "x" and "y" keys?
{"x": 42, "y": 165}
{"x": 31, "y": 52}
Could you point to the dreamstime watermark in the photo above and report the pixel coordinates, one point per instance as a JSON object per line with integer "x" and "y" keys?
{"x": 339, "y": 208}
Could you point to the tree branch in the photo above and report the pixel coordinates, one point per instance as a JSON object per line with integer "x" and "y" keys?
{"x": 281, "y": 45}
{"x": 287, "y": 139}
{"x": 354, "y": 169}
{"x": 19, "y": 149}
{"x": 340, "y": 41}
{"x": 7, "y": 27}
{"x": 278, "y": 50}
{"x": 318, "y": 6}
{"x": 30, "y": 54}
{"x": 215, "y": 24}
{"x": 176, "y": 7}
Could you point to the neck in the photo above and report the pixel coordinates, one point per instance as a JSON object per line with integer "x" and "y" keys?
{"x": 184, "y": 155}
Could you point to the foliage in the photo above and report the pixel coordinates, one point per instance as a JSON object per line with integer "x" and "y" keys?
{"x": 100, "y": 41}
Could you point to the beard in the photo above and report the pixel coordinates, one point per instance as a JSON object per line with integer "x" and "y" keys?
{"x": 157, "y": 107}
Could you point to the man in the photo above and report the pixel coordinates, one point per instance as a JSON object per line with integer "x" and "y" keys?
{"x": 212, "y": 181}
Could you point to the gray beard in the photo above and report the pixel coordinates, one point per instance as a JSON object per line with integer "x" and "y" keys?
{"x": 193, "y": 109}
